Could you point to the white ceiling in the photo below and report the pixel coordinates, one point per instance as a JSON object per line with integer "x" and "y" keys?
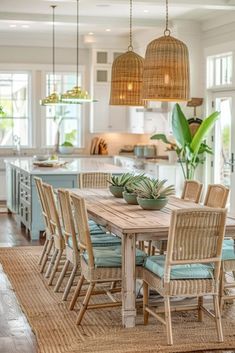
{"x": 33, "y": 17}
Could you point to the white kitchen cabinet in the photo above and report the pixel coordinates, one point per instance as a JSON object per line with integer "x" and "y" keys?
{"x": 104, "y": 117}
{"x": 141, "y": 121}
{"x": 135, "y": 120}
{"x": 3, "y": 193}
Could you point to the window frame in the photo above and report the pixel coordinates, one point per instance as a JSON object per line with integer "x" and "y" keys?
{"x": 211, "y": 71}
{"x": 30, "y": 107}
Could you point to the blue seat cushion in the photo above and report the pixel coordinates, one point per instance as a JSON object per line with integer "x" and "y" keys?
{"x": 156, "y": 264}
{"x": 112, "y": 256}
{"x": 95, "y": 228}
{"x": 228, "y": 252}
{"x": 100, "y": 240}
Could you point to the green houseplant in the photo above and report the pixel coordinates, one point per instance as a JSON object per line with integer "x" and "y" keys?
{"x": 67, "y": 146}
{"x": 118, "y": 183}
{"x": 129, "y": 194}
{"x": 190, "y": 149}
{"x": 152, "y": 194}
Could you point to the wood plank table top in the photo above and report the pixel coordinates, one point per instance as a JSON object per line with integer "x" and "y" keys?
{"x": 127, "y": 218}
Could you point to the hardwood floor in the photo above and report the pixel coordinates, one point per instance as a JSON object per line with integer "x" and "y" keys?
{"x": 16, "y": 335}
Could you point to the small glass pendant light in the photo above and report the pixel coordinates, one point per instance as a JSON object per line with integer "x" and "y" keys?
{"x": 54, "y": 97}
{"x": 166, "y": 69}
{"x": 127, "y": 76}
{"x": 77, "y": 95}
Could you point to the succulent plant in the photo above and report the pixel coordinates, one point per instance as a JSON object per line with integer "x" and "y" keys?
{"x": 153, "y": 189}
{"x": 133, "y": 182}
{"x": 120, "y": 180}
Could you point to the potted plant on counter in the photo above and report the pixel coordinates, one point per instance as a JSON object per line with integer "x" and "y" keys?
{"x": 152, "y": 194}
{"x": 67, "y": 146}
{"x": 129, "y": 194}
{"x": 190, "y": 148}
{"x": 118, "y": 183}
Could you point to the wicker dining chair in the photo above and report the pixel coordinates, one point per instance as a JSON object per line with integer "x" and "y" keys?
{"x": 71, "y": 245}
{"x": 94, "y": 180}
{"x": 216, "y": 196}
{"x": 98, "y": 265}
{"x": 48, "y": 228}
{"x": 192, "y": 191}
{"x": 191, "y": 267}
{"x": 59, "y": 243}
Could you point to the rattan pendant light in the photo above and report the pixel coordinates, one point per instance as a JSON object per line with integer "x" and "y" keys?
{"x": 77, "y": 95}
{"x": 54, "y": 97}
{"x": 127, "y": 76}
{"x": 166, "y": 69}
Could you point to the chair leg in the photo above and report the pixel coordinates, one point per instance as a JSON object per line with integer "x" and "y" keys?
{"x": 145, "y": 302}
{"x": 221, "y": 290}
{"x": 168, "y": 320}
{"x": 43, "y": 252}
{"x": 70, "y": 282}
{"x": 200, "y": 313}
{"x": 55, "y": 267}
{"x": 45, "y": 259}
{"x": 76, "y": 293}
{"x": 51, "y": 264}
{"x": 85, "y": 303}
{"x": 218, "y": 318}
{"x": 62, "y": 275}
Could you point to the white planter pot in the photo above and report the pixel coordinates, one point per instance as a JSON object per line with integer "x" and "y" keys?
{"x": 66, "y": 150}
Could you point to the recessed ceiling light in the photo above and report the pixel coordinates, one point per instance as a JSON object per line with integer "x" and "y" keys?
{"x": 91, "y": 33}
{"x": 25, "y": 26}
{"x": 12, "y": 26}
{"x": 146, "y": 11}
{"x": 108, "y": 29}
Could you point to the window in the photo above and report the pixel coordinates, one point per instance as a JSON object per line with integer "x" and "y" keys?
{"x": 219, "y": 70}
{"x": 15, "y": 113}
{"x": 67, "y": 119}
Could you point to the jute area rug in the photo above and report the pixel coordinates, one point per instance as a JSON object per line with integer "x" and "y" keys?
{"x": 101, "y": 331}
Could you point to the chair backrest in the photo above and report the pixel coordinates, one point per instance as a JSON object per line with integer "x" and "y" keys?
{"x": 192, "y": 191}
{"x": 81, "y": 219}
{"x": 94, "y": 180}
{"x": 216, "y": 196}
{"x": 195, "y": 236}
{"x": 54, "y": 215}
{"x": 43, "y": 203}
{"x": 67, "y": 217}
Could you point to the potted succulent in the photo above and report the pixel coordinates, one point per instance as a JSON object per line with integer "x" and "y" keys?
{"x": 117, "y": 184}
{"x": 129, "y": 194}
{"x": 152, "y": 194}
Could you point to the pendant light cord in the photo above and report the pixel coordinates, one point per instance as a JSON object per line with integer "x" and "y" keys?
{"x": 77, "y": 40}
{"x": 130, "y": 47}
{"x": 167, "y": 31}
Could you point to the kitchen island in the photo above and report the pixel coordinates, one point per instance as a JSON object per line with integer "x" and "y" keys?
{"x": 22, "y": 198}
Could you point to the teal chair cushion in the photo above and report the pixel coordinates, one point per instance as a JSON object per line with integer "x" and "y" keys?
{"x": 95, "y": 228}
{"x": 156, "y": 265}
{"x": 228, "y": 252}
{"x": 105, "y": 239}
{"x": 112, "y": 256}
{"x": 101, "y": 240}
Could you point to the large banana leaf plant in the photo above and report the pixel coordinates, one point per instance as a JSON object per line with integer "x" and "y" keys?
{"x": 190, "y": 149}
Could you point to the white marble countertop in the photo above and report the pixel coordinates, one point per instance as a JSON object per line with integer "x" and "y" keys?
{"x": 78, "y": 165}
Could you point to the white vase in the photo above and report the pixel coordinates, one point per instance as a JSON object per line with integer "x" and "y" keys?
{"x": 172, "y": 157}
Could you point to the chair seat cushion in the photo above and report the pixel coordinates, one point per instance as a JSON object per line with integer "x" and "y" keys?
{"x": 100, "y": 240}
{"x": 156, "y": 265}
{"x": 95, "y": 228}
{"x": 112, "y": 256}
{"x": 228, "y": 252}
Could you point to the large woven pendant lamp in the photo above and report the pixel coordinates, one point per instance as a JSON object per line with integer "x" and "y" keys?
{"x": 77, "y": 94}
{"x": 127, "y": 76}
{"x": 166, "y": 69}
{"x": 54, "y": 97}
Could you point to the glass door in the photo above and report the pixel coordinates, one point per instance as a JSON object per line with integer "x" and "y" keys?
{"x": 224, "y": 143}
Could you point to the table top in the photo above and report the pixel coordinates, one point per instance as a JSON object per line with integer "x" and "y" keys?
{"x": 101, "y": 205}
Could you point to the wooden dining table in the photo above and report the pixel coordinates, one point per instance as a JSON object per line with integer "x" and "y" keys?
{"x": 132, "y": 224}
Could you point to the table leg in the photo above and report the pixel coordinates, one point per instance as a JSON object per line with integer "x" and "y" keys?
{"x": 128, "y": 280}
